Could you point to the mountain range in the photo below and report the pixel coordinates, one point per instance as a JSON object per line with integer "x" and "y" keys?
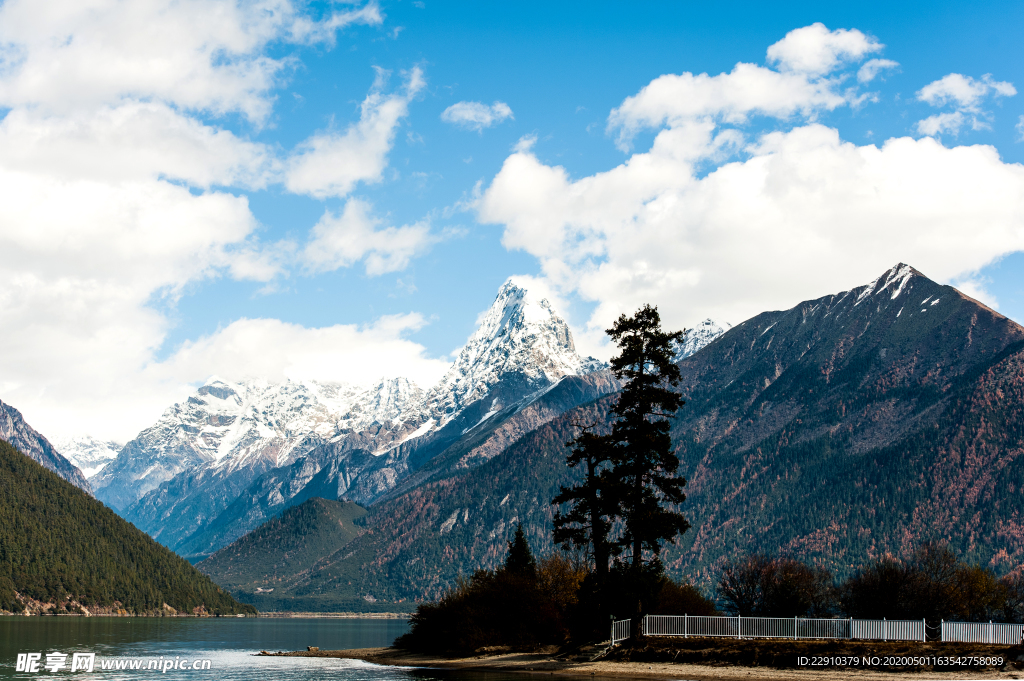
{"x": 842, "y": 429}
{"x": 849, "y": 426}
{"x": 235, "y": 454}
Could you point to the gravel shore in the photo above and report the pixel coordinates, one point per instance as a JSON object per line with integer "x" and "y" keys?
{"x": 548, "y": 665}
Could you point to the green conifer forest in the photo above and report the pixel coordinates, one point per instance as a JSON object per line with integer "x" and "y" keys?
{"x": 59, "y": 545}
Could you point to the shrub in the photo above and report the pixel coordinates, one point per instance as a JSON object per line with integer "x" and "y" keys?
{"x": 522, "y": 605}
{"x": 681, "y": 598}
{"x": 761, "y": 586}
{"x": 933, "y": 584}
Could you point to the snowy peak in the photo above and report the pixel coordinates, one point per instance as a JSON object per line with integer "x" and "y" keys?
{"x": 395, "y": 401}
{"x": 520, "y": 348}
{"x": 699, "y": 336}
{"x": 893, "y": 282}
{"x": 254, "y": 423}
{"x": 237, "y": 421}
{"x": 88, "y": 453}
{"x": 519, "y": 334}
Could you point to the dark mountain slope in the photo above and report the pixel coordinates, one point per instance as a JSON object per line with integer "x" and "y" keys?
{"x": 282, "y": 549}
{"x": 416, "y": 544}
{"x": 27, "y": 440}
{"x": 58, "y": 543}
{"x": 823, "y": 430}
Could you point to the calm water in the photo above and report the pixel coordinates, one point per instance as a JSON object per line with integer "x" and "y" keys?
{"x": 228, "y": 643}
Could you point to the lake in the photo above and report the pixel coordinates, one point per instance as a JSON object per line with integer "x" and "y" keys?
{"x": 228, "y": 644}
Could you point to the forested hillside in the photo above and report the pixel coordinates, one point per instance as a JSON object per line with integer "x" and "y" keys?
{"x": 59, "y": 545}
{"x": 278, "y": 555}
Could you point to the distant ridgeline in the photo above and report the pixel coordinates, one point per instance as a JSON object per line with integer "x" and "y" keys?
{"x": 849, "y": 426}
{"x": 61, "y": 548}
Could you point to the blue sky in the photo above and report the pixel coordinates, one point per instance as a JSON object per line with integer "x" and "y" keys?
{"x": 302, "y": 190}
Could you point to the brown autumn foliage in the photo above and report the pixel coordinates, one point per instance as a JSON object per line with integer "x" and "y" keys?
{"x": 759, "y": 585}
{"x": 933, "y": 584}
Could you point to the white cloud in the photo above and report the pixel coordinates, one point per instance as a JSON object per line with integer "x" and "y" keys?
{"x": 799, "y": 214}
{"x": 197, "y": 54}
{"x": 963, "y": 91}
{"x": 872, "y": 67}
{"x": 112, "y": 192}
{"x": 83, "y": 263}
{"x": 332, "y": 163}
{"x": 130, "y": 142}
{"x": 937, "y": 124}
{"x": 1020, "y": 129}
{"x": 341, "y": 240}
{"x": 806, "y": 57}
{"x": 815, "y": 50}
{"x": 476, "y": 115}
{"x": 269, "y": 348}
{"x": 966, "y": 95}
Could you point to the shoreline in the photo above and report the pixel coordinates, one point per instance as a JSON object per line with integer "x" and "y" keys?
{"x": 549, "y": 665}
{"x": 338, "y": 615}
{"x": 261, "y": 615}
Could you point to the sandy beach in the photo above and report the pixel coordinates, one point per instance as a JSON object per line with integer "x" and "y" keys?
{"x": 548, "y": 665}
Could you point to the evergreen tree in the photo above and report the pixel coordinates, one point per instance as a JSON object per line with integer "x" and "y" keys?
{"x": 520, "y": 561}
{"x": 644, "y": 466}
{"x": 588, "y": 520}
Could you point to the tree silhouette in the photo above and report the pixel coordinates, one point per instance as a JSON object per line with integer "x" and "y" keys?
{"x": 643, "y": 464}
{"x": 520, "y": 561}
{"x": 592, "y": 506}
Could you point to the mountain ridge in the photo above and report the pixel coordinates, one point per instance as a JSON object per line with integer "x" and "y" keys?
{"x": 29, "y": 441}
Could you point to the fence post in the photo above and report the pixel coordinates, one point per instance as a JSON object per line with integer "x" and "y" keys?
{"x": 685, "y": 634}
{"x": 849, "y": 636}
{"x": 739, "y": 626}
{"x": 885, "y": 630}
{"x": 924, "y": 630}
{"x": 794, "y": 628}
{"x": 990, "y": 632}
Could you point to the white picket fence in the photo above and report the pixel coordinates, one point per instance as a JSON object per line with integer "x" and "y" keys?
{"x": 887, "y": 630}
{"x": 982, "y": 632}
{"x": 818, "y": 628}
{"x": 784, "y": 627}
{"x": 620, "y": 631}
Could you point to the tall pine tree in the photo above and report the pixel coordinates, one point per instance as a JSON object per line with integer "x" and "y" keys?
{"x": 592, "y": 504}
{"x": 520, "y": 561}
{"x": 643, "y": 464}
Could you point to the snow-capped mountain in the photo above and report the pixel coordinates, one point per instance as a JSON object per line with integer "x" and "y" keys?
{"x": 521, "y": 335}
{"x": 32, "y": 444}
{"x": 699, "y": 336}
{"x": 232, "y": 425}
{"x": 178, "y": 475}
{"x": 87, "y": 453}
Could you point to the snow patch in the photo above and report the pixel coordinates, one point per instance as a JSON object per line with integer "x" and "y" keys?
{"x": 699, "y": 337}
{"x": 484, "y": 418}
